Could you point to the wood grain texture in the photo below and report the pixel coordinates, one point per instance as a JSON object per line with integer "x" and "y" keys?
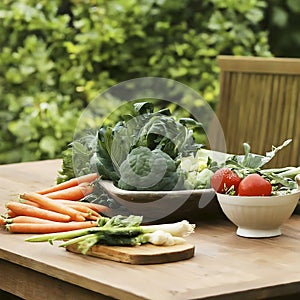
{"x": 260, "y": 104}
{"x": 140, "y": 255}
{"x": 29, "y": 284}
{"x": 250, "y": 64}
{"x": 224, "y": 265}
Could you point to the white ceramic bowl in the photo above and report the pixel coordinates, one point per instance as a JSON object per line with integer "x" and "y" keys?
{"x": 258, "y": 217}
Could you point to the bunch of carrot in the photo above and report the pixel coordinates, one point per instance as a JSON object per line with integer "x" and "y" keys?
{"x": 54, "y": 209}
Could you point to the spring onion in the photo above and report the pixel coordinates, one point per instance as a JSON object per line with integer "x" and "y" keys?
{"x": 122, "y": 231}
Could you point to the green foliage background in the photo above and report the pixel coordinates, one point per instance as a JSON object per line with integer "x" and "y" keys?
{"x": 282, "y": 21}
{"x": 56, "y": 56}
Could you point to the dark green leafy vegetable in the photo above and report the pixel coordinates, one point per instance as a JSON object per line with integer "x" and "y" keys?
{"x": 144, "y": 169}
{"x": 67, "y": 170}
{"x": 253, "y": 161}
{"x": 100, "y": 160}
{"x": 157, "y": 131}
{"x": 139, "y": 150}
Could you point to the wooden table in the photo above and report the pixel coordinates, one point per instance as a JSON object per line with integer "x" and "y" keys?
{"x": 225, "y": 266}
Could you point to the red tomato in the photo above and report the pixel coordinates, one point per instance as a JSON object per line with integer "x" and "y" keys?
{"x": 223, "y": 179}
{"x": 254, "y": 185}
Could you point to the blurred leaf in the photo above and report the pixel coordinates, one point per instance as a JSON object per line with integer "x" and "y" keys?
{"x": 294, "y": 5}
{"x": 48, "y": 145}
{"x": 56, "y": 56}
{"x": 280, "y": 17}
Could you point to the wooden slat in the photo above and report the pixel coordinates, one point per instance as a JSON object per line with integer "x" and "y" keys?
{"x": 266, "y": 97}
{"x": 253, "y": 112}
{"x": 233, "y": 109}
{"x": 293, "y": 118}
{"x": 296, "y": 127}
{"x": 249, "y": 64}
{"x": 283, "y": 116}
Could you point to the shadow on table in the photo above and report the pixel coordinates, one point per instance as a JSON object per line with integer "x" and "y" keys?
{"x": 7, "y": 296}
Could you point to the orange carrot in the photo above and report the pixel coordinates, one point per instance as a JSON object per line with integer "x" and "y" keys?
{"x": 28, "y": 219}
{"x": 89, "y": 217}
{"x": 10, "y": 213}
{"x": 93, "y": 218}
{"x": 72, "y": 193}
{"x": 94, "y": 206}
{"x": 70, "y": 183}
{"x": 29, "y": 202}
{"x": 83, "y": 209}
{"x": 48, "y": 228}
{"x": 97, "y": 207}
{"x": 20, "y": 209}
{"x": 2, "y": 221}
{"x": 52, "y": 205}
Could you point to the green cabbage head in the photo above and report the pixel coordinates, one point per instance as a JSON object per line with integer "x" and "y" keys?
{"x": 149, "y": 170}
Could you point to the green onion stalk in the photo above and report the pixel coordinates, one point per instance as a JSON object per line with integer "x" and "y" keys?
{"x": 120, "y": 231}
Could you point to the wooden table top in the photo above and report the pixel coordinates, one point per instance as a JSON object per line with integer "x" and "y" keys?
{"x": 225, "y": 266}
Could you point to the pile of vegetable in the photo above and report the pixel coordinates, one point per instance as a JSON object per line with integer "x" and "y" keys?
{"x": 152, "y": 150}
{"x": 58, "y": 213}
{"x": 54, "y": 209}
{"x": 244, "y": 175}
{"x": 122, "y": 231}
{"x": 142, "y": 150}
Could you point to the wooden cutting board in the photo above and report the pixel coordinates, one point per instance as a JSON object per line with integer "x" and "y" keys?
{"x": 140, "y": 255}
